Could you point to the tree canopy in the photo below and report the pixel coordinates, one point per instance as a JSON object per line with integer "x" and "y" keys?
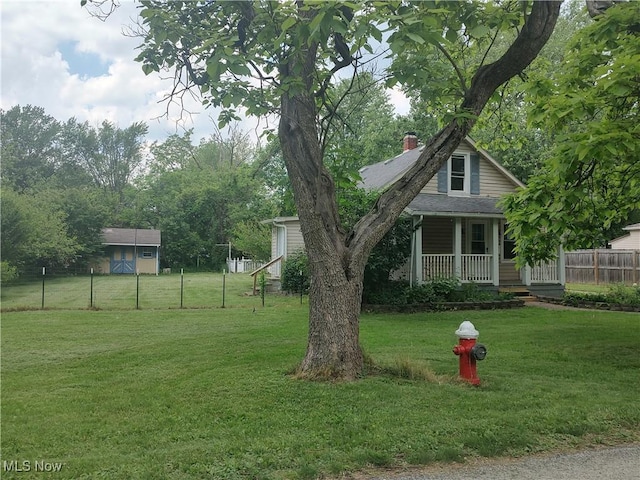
{"x": 591, "y": 182}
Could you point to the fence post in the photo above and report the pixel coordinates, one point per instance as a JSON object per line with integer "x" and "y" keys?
{"x": 223, "y": 285}
{"x": 91, "y": 294}
{"x": 137, "y": 290}
{"x": 43, "y": 274}
{"x": 181, "y": 286}
{"x": 596, "y": 269}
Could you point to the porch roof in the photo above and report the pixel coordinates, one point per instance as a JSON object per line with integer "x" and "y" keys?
{"x": 450, "y": 206}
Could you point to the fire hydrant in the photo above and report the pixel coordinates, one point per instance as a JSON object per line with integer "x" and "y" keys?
{"x": 469, "y": 351}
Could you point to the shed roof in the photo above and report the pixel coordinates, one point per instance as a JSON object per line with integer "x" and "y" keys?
{"x": 145, "y": 237}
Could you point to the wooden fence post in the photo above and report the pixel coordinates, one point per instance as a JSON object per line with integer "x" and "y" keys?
{"x": 596, "y": 272}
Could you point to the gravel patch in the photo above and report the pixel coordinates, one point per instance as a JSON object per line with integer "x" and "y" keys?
{"x": 610, "y": 463}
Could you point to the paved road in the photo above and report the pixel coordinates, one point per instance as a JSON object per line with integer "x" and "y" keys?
{"x": 610, "y": 463}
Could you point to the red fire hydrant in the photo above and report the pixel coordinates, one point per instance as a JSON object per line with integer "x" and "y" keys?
{"x": 469, "y": 351}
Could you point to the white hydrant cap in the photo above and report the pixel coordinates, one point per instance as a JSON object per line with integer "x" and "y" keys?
{"x": 467, "y": 330}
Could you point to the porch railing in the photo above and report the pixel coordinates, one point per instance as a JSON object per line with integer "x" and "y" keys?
{"x": 476, "y": 268}
{"x": 437, "y": 266}
{"x": 473, "y": 267}
{"x": 545, "y": 273}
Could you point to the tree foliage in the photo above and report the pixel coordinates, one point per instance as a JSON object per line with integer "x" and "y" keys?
{"x": 592, "y": 181}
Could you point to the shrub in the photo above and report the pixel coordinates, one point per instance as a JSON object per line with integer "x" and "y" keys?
{"x": 624, "y": 295}
{"x": 8, "y": 272}
{"x": 295, "y": 273}
{"x": 438, "y": 290}
{"x": 391, "y": 293}
{"x": 619, "y": 294}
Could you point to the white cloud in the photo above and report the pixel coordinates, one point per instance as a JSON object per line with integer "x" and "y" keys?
{"x": 35, "y": 72}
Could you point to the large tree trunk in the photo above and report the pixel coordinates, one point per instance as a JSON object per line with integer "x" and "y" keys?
{"x": 333, "y": 349}
{"x": 337, "y": 259}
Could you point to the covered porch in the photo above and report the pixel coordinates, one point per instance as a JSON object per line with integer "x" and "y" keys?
{"x": 472, "y": 245}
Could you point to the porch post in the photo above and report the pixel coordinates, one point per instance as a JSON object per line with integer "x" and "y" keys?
{"x": 495, "y": 250}
{"x": 527, "y": 275}
{"x": 457, "y": 248}
{"x": 561, "y": 266}
{"x": 417, "y": 243}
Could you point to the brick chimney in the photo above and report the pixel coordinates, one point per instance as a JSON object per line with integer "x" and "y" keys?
{"x": 410, "y": 141}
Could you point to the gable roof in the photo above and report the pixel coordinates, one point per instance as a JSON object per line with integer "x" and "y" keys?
{"x": 145, "y": 237}
{"x": 381, "y": 174}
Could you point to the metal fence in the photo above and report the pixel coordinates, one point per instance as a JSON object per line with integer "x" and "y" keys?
{"x": 602, "y": 266}
{"x": 48, "y": 290}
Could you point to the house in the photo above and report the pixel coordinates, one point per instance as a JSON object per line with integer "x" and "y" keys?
{"x": 459, "y": 228}
{"x": 630, "y": 241}
{"x": 130, "y": 251}
{"x": 286, "y": 239}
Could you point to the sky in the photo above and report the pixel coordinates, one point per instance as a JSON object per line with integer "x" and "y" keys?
{"x": 56, "y": 56}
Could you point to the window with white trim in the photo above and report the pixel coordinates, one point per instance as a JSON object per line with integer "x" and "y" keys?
{"x": 460, "y": 175}
{"x": 458, "y": 181}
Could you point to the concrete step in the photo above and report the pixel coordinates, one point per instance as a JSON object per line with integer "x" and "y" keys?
{"x": 519, "y": 291}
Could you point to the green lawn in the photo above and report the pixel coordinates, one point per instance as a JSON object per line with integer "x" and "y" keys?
{"x": 587, "y": 287}
{"x": 117, "y": 292}
{"x": 205, "y": 393}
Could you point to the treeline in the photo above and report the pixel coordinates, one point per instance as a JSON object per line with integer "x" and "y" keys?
{"x": 63, "y": 181}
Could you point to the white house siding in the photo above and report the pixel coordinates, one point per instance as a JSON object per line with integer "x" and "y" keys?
{"x": 493, "y": 182}
{"x": 628, "y": 242}
{"x": 295, "y": 241}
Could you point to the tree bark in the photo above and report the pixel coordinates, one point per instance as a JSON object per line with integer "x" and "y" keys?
{"x": 337, "y": 259}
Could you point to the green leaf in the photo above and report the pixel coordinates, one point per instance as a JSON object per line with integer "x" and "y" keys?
{"x": 479, "y": 31}
{"x": 416, "y": 38}
{"x": 239, "y": 69}
{"x": 288, "y": 23}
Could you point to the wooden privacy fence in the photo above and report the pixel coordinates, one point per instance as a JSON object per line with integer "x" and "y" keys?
{"x": 603, "y": 266}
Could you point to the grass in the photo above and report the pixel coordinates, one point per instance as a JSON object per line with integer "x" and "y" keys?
{"x": 587, "y": 287}
{"x": 118, "y": 292}
{"x": 190, "y": 394}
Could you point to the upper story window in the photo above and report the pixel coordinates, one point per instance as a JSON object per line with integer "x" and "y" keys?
{"x": 460, "y": 175}
{"x": 458, "y": 180}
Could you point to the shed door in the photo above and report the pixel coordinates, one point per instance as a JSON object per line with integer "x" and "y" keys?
{"x": 119, "y": 262}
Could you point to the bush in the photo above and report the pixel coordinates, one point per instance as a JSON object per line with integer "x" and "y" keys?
{"x": 292, "y": 280}
{"x": 617, "y": 294}
{"x": 438, "y": 290}
{"x": 8, "y": 273}
{"x": 392, "y": 293}
{"x": 624, "y": 295}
